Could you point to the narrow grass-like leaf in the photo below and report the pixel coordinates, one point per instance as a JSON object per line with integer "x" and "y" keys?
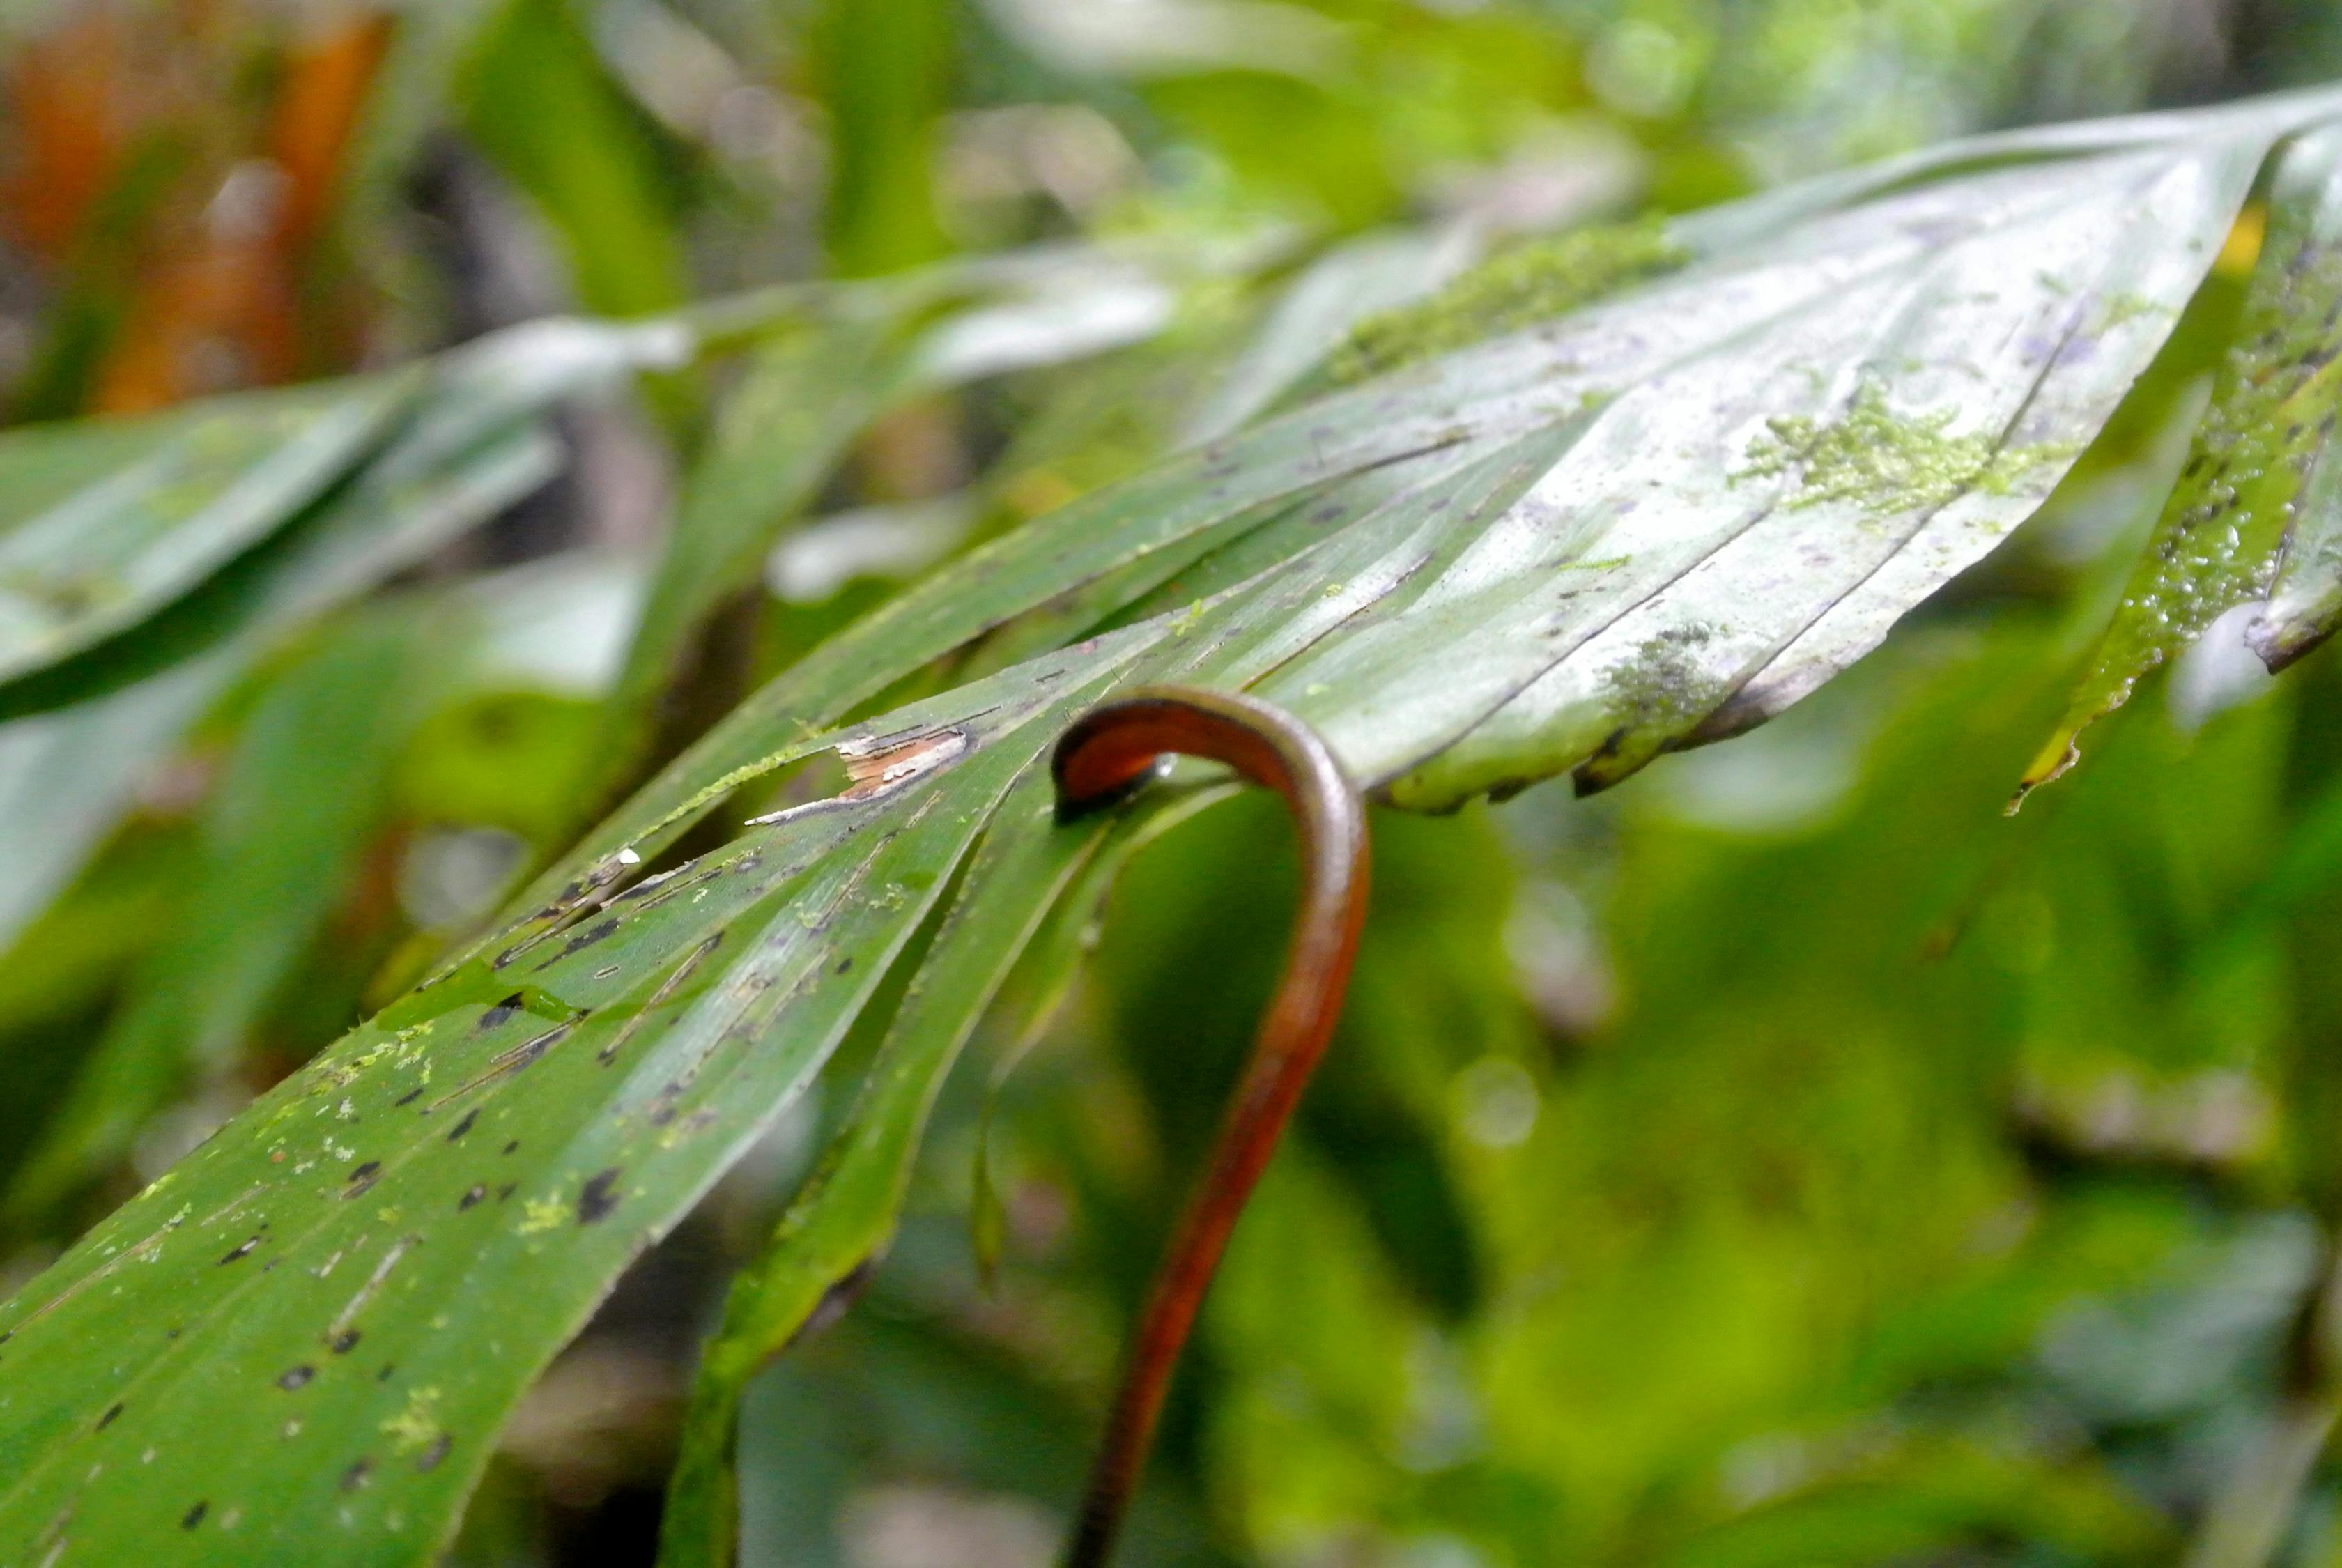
{"x": 280, "y": 834}
{"x": 66, "y": 776}
{"x": 102, "y": 525}
{"x": 539, "y": 101}
{"x": 808, "y": 393}
{"x": 512, "y": 1133}
{"x": 843, "y": 1216}
{"x": 2255, "y": 462}
{"x": 81, "y": 733}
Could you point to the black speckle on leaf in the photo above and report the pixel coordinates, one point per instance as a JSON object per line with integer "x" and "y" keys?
{"x": 240, "y": 1251}
{"x": 583, "y": 939}
{"x": 499, "y": 1015}
{"x": 363, "y": 1177}
{"x": 472, "y": 1197}
{"x": 512, "y": 1145}
{"x": 464, "y": 1126}
{"x": 292, "y": 1378}
{"x": 428, "y": 1460}
{"x": 410, "y": 1097}
{"x": 845, "y": 964}
{"x": 596, "y": 1200}
{"x": 505, "y": 1190}
{"x": 345, "y": 1341}
{"x": 356, "y": 1475}
{"x": 194, "y": 1516}
{"x": 107, "y": 1419}
{"x": 388, "y": 1368}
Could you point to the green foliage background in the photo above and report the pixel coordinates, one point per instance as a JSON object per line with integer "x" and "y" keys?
{"x": 1783, "y": 1159}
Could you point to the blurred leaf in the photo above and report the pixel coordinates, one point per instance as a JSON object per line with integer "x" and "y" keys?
{"x": 93, "y": 726}
{"x": 1935, "y": 1498}
{"x": 802, "y": 399}
{"x": 66, "y": 775}
{"x": 280, "y": 838}
{"x": 106, "y": 522}
{"x": 472, "y": 435}
{"x": 806, "y": 396}
{"x": 540, "y": 103}
{"x": 881, "y": 67}
{"x": 1349, "y": 283}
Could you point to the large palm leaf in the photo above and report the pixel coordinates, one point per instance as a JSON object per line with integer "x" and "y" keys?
{"x": 1651, "y": 521}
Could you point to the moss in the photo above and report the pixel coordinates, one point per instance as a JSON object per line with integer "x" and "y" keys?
{"x": 1888, "y": 462}
{"x": 1530, "y": 283}
{"x": 2123, "y": 308}
{"x": 1664, "y": 684}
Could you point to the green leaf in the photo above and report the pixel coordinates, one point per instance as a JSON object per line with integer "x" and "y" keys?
{"x": 1357, "y": 280}
{"x": 280, "y": 838}
{"x": 1032, "y": 890}
{"x": 105, "y": 523}
{"x": 539, "y": 102}
{"x": 2258, "y": 462}
{"x": 1567, "y": 549}
{"x": 880, "y": 68}
{"x": 81, "y": 733}
{"x": 808, "y": 392}
{"x": 802, "y": 398}
{"x": 841, "y": 1220}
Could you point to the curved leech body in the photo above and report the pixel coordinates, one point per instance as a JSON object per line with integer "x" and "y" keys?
{"x": 1104, "y": 757}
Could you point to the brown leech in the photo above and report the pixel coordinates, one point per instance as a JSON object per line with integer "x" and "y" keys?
{"x": 1107, "y": 754}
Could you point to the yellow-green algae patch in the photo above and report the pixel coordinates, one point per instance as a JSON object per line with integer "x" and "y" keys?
{"x": 1530, "y": 283}
{"x": 1888, "y": 462}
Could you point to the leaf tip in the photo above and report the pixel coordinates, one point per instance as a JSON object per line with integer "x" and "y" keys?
{"x": 2056, "y": 759}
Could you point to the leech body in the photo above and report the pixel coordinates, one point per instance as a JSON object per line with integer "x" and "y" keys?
{"x": 1107, "y": 754}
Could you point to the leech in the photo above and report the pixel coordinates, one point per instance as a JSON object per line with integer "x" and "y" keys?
{"x": 1107, "y": 755}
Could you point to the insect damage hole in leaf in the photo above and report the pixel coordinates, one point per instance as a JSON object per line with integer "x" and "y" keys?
{"x": 874, "y": 765}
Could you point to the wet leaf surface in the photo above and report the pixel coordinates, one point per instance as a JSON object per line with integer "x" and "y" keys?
{"x": 2257, "y": 471}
